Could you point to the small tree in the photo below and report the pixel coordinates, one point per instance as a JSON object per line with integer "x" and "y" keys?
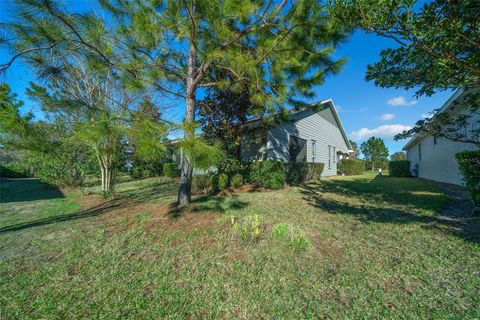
{"x": 221, "y": 115}
{"x": 354, "y": 154}
{"x": 374, "y": 151}
{"x": 399, "y": 155}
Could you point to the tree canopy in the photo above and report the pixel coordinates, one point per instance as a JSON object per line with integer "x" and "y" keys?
{"x": 399, "y": 155}
{"x": 438, "y": 41}
{"x": 374, "y": 151}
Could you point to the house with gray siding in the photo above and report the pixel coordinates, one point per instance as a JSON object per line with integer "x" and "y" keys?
{"x": 432, "y": 157}
{"x": 311, "y": 134}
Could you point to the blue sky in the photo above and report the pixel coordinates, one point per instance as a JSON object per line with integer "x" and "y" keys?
{"x": 365, "y": 110}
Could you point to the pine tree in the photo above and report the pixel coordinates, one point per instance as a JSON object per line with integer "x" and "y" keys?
{"x": 281, "y": 49}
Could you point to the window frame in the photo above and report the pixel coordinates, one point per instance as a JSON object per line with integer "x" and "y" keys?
{"x": 314, "y": 149}
{"x": 329, "y": 157}
{"x": 305, "y": 147}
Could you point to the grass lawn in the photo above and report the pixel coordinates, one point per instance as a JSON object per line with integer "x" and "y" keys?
{"x": 379, "y": 248}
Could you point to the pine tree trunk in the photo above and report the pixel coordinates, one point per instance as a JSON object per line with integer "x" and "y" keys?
{"x": 108, "y": 174}
{"x": 185, "y": 189}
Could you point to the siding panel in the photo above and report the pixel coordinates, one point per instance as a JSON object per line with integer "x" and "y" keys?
{"x": 309, "y": 126}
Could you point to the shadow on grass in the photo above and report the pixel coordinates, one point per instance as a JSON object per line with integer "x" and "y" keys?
{"x": 26, "y": 189}
{"x": 91, "y": 212}
{"x": 389, "y": 200}
{"x": 142, "y": 194}
{"x": 204, "y": 203}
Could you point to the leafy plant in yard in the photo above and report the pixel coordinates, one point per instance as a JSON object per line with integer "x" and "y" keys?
{"x": 237, "y": 180}
{"x": 292, "y": 235}
{"x": 249, "y": 228}
{"x": 469, "y": 165}
{"x": 220, "y": 181}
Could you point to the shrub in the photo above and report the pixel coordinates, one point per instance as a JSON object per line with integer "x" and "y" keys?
{"x": 202, "y": 184}
{"x": 171, "y": 170}
{"x": 298, "y": 172}
{"x": 143, "y": 169}
{"x": 219, "y": 181}
{"x": 351, "y": 167}
{"x": 314, "y": 171}
{"x": 469, "y": 165}
{"x": 232, "y": 166}
{"x": 399, "y": 168}
{"x": 237, "y": 180}
{"x": 269, "y": 174}
{"x": 292, "y": 235}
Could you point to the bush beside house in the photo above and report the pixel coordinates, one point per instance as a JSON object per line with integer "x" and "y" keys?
{"x": 171, "y": 170}
{"x": 469, "y": 165}
{"x": 269, "y": 174}
{"x": 399, "y": 168}
{"x": 299, "y": 172}
{"x": 351, "y": 167}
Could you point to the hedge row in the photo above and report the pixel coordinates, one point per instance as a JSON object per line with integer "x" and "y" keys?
{"x": 351, "y": 167}
{"x": 298, "y": 172}
{"x": 399, "y": 168}
{"x": 268, "y": 174}
{"x": 469, "y": 165}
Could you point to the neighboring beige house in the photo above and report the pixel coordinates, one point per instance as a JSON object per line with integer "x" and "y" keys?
{"x": 434, "y": 158}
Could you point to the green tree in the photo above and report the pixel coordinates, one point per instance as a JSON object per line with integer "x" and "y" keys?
{"x": 222, "y": 114}
{"x": 439, "y": 41}
{"x": 399, "y": 155}
{"x": 354, "y": 154}
{"x": 374, "y": 152}
{"x": 41, "y": 148}
{"x": 438, "y": 49}
{"x": 281, "y": 49}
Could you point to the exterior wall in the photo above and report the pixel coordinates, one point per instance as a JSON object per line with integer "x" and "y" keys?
{"x": 307, "y": 125}
{"x": 438, "y": 160}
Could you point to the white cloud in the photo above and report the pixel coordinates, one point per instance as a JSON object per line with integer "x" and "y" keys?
{"x": 400, "y": 101}
{"x": 387, "y": 116}
{"x": 427, "y": 115}
{"x": 386, "y": 131}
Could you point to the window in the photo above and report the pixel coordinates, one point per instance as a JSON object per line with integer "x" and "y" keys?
{"x": 329, "y": 157}
{"x": 334, "y": 155}
{"x": 298, "y": 149}
{"x": 419, "y": 152}
{"x": 314, "y": 152}
{"x": 434, "y": 139}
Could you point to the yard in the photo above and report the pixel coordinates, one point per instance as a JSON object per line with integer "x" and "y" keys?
{"x": 380, "y": 248}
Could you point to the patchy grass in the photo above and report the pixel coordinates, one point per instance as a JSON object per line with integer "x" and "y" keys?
{"x": 378, "y": 248}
